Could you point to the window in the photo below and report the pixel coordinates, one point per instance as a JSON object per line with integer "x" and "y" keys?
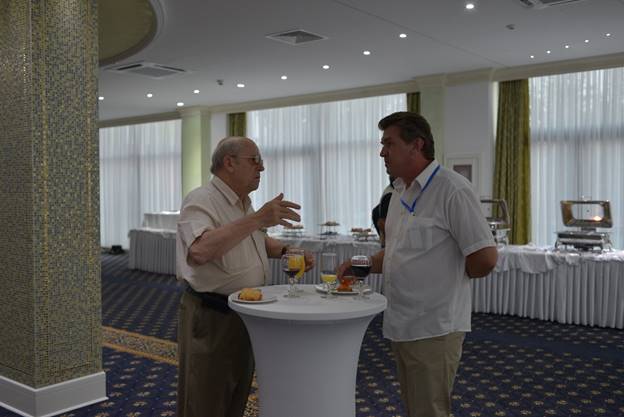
{"x": 140, "y": 171}
{"x": 324, "y": 157}
{"x": 577, "y": 147}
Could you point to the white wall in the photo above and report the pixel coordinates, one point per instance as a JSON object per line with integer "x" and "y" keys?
{"x": 469, "y": 128}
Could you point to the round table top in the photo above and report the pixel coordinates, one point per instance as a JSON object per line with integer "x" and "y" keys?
{"x": 309, "y": 306}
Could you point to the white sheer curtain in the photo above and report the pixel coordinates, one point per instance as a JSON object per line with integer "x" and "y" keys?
{"x": 140, "y": 171}
{"x": 324, "y": 157}
{"x": 577, "y": 147}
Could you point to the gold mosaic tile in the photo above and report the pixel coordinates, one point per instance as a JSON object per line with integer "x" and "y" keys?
{"x": 49, "y": 201}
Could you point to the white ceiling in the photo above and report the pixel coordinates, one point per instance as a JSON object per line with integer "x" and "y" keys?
{"x": 226, "y": 40}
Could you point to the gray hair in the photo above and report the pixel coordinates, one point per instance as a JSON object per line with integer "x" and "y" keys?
{"x": 231, "y": 145}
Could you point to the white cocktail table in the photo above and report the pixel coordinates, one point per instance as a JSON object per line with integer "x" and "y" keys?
{"x": 306, "y": 350}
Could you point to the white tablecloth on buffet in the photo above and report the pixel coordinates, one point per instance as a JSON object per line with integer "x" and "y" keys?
{"x": 152, "y": 250}
{"x": 344, "y": 247}
{"x": 567, "y": 287}
{"x": 167, "y": 220}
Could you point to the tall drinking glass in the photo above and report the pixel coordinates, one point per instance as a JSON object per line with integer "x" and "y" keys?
{"x": 361, "y": 266}
{"x": 329, "y": 263}
{"x": 291, "y": 266}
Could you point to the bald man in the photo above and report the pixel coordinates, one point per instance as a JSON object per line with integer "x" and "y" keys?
{"x": 220, "y": 249}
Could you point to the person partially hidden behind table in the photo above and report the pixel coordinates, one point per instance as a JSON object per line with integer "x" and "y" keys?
{"x": 437, "y": 239}
{"x": 220, "y": 249}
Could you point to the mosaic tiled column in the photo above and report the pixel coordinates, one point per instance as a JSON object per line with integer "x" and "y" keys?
{"x": 50, "y": 302}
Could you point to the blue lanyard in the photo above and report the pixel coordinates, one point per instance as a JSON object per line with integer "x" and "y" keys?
{"x": 413, "y": 206}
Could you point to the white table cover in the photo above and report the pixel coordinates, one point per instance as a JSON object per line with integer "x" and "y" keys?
{"x": 167, "y": 220}
{"x": 567, "y": 287}
{"x": 152, "y": 250}
{"x": 306, "y": 350}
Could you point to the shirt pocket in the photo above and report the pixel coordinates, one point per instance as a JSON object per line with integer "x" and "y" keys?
{"x": 419, "y": 234}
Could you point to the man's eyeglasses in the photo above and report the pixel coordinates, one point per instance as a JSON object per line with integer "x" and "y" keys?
{"x": 257, "y": 159}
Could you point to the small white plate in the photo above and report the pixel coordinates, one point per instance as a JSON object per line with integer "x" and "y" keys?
{"x": 264, "y": 300}
{"x": 321, "y": 288}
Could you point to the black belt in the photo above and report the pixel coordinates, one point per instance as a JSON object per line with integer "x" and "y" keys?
{"x": 211, "y": 300}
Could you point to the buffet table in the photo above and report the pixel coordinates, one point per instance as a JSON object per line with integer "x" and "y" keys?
{"x": 306, "y": 350}
{"x": 567, "y": 287}
{"x": 152, "y": 250}
{"x": 167, "y": 220}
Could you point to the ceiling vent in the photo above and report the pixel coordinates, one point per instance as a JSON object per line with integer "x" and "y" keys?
{"x": 541, "y": 4}
{"x": 147, "y": 69}
{"x": 296, "y": 37}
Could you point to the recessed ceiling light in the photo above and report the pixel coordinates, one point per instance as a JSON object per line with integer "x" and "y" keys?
{"x": 403, "y": 35}
{"x": 195, "y": 91}
{"x": 366, "y": 52}
{"x": 532, "y": 56}
{"x": 180, "y": 104}
{"x": 325, "y": 66}
{"x": 608, "y": 35}
{"x": 101, "y": 98}
{"x": 548, "y": 51}
{"x": 149, "y": 95}
{"x": 470, "y": 5}
{"x": 284, "y": 77}
{"x": 240, "y": 85}
{"x": 586, "y": 40}
{"x": 567, "y": 47}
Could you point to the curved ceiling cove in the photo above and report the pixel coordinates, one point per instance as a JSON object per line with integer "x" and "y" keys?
{"x": 125, "y": 27}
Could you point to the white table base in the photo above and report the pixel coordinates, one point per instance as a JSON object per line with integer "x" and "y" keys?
{"x": 312, "y": 372}
{"x": 307, "y": 350}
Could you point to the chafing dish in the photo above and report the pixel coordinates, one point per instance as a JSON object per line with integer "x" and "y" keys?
{"x": 585, "y": 216}
{"x": 497, "y": 216}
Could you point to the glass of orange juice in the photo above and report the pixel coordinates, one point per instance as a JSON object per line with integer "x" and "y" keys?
{"x": 298, "y": 261}
{"x": 328, "y": 273}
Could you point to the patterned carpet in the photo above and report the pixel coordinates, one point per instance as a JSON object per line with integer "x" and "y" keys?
{"x": 511, "y": 366}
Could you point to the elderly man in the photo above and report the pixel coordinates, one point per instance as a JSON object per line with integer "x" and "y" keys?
{"x": 436, "y": 240}
{"x": 221, "y": 249}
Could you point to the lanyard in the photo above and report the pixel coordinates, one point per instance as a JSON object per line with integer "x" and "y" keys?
{"x": 413, "y": 206}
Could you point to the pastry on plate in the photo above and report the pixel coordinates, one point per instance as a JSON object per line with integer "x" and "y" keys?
{"x": 250, "y": 294}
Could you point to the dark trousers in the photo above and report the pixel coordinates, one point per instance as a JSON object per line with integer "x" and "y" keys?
{"x": 215, "y": 361}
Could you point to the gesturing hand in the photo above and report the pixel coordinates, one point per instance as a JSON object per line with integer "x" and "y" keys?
{"x": 277, "y": 211}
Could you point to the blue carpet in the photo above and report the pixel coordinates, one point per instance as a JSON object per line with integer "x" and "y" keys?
{"x": 138, "y": 301}
{"x": 510, "y": 367}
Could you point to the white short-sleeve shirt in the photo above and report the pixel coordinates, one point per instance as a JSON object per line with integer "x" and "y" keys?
{"x": 245, "y": 265}
{"x": 424, "y": 265}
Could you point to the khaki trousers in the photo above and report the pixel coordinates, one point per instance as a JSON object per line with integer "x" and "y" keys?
{"x": 426, "y": 370}
{"x": 215, "y": 361}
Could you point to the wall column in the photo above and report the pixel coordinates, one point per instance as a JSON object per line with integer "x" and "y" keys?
{"x": 196, "y": 148}
{"x": 50, "y": 301}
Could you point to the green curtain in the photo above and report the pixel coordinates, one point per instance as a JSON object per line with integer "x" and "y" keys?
{"x": 512, "y": 168}
{"x": 237, "y": 124}
{"x": 413, "y": 102}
